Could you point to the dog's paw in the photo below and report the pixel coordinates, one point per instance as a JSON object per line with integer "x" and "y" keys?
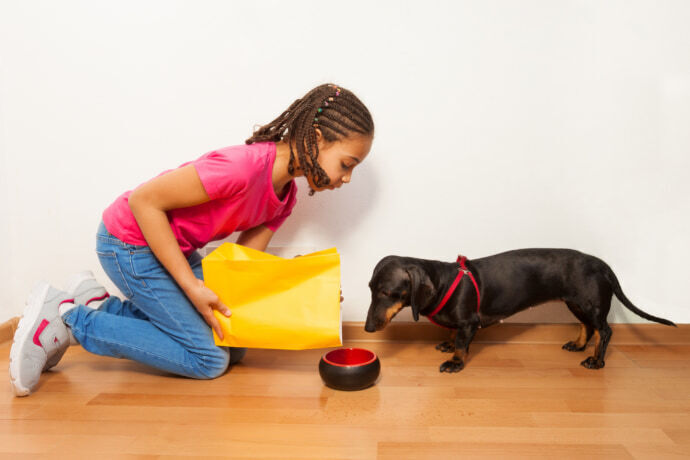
{"x": 446, "y": 347}
{"x": 592, "y": 363}
{"x": 452, "y": 365}
{"x": 572, "y": 346}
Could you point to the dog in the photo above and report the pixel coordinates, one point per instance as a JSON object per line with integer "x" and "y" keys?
{"x": 495, "y": 287}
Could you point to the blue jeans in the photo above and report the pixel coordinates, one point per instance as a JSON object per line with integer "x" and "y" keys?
{"x": 157, "y": 325}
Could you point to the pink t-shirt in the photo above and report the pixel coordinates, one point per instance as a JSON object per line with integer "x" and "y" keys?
{"x": 238, "y": 180}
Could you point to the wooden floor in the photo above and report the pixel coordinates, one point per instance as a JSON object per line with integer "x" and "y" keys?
{"x": 514, "y": 400}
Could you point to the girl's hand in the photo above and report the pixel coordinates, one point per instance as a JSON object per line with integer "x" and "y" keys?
{"x": 205, "y": 301}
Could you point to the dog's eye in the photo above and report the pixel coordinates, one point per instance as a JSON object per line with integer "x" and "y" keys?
{"x": 386, "y": 293}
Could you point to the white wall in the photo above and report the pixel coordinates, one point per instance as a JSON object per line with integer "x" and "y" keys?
{"x": 500, "y": 125}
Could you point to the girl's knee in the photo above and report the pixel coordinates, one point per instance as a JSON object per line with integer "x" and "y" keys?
{"x": 213, "y": 364}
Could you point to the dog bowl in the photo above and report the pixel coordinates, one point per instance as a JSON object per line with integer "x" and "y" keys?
{"x": 349, "y": 368}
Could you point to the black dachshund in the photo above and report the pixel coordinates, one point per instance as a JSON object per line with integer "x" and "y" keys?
{"x": 495, "y": 287}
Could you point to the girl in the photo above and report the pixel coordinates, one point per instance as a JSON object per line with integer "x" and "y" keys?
{"x": 148, "y": 238}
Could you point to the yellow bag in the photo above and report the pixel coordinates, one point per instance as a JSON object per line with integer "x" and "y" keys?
{"x": 290, "y": 304}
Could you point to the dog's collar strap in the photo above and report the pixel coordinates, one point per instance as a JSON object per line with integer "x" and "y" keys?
{"x": 462, "y": 271}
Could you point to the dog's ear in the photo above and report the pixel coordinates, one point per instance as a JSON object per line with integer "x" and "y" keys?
{"x": 421, "y": 289}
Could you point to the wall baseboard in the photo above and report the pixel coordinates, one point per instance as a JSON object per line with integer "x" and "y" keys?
{"x": 623, "y": 334}
{"x": 7, "y": 329}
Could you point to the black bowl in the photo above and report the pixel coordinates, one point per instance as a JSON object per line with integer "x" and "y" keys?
{"x": 349, "y": 368}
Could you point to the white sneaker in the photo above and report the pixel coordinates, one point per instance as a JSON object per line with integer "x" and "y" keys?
{"x": 40, "y": 336}
{"x": 85, "y": 290}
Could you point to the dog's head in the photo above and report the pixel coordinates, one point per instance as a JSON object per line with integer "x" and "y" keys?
{"x": 397, "y": 282}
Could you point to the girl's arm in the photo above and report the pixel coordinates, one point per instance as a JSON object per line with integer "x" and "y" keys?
{"x": 256, "y": 238}
{"x": 149, "y": 202}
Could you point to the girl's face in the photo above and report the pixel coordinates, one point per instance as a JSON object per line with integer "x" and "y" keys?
{"x": 339, "y": 158}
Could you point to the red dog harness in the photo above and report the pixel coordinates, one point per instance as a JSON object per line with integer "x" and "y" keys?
{"x": 462, "y": 271}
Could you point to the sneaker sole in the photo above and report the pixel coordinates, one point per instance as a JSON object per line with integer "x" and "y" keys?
{"x": 33, "y": 308}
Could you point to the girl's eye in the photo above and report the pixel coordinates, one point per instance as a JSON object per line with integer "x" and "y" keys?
{"x": 345, "y": 166}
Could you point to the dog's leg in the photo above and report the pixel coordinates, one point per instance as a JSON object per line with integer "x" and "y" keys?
{"x": 449, "y": 345}
{"x": 583, "y": 337}
{"x": 463, "y": 337}
{"x": 596, "y": 305}
{"x": 586, "y": 329}
{"x": 602, "y": 337}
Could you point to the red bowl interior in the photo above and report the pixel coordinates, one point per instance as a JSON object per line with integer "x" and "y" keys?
{"x": 350, "y": 357}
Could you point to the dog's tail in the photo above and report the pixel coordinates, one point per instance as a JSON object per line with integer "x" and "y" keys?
{"x": 625, "y": 301}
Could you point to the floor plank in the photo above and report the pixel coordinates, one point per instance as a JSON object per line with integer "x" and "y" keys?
{"x": 517, "y": 400}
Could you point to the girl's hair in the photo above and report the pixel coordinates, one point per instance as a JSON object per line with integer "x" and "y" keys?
{"x": 334, "y": 110}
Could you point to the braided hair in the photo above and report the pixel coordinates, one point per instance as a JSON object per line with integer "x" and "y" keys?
{"x": 335, "y": 111}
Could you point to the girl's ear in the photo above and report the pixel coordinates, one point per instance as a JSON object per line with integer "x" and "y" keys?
{"x": 421, "y": 289}
{"x": 320, "y": 141}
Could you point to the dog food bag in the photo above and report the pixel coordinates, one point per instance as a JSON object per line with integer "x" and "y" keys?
{"x": 289, "y": 304}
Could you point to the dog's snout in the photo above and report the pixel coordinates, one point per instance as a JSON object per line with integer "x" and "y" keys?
{"x": 369, "y": 327}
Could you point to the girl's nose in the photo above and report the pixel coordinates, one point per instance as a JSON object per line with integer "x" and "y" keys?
{"x": 346, "y": 179}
